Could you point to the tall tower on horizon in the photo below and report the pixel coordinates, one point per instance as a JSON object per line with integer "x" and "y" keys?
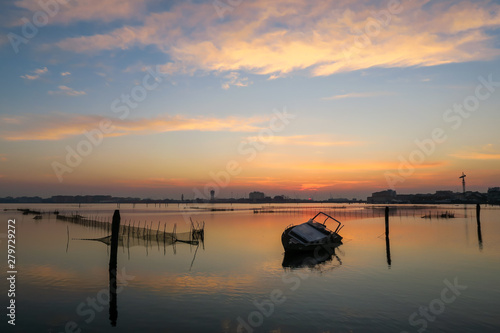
{"x": 463, "y": 182}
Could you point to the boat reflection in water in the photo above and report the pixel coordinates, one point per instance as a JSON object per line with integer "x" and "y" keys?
{"x": 322, "y": 256}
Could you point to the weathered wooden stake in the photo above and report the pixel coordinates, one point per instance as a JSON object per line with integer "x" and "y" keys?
{"x": 67, "y": 243}
{"x": 113, "y": 258}
{"x": 387, "y": 221}
{"x": 387, "y": 242}
{"x": 479, "y": 235}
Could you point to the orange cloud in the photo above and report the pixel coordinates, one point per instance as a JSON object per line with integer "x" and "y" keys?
{"x": 36, "y": 74}
{"x": 354, "y": 166}
{"x": 311, "y": 187}
{"x": 279, "y": 37}
{"x": 56, "y": 126}
{"x": 159, "y": 182}
{"x": 476, "y": 156}
{"x": 486, "y": 152}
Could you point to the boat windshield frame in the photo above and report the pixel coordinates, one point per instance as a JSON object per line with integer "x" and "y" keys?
{"x": 326, "y": 219}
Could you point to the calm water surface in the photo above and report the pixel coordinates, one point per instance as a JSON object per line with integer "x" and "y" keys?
{"x": 437, "y": 275}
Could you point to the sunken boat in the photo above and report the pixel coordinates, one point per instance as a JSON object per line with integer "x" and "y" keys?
{"x": 312, "y": 234}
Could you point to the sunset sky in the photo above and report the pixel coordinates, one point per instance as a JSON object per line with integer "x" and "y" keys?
{"x": 304, "y": 98}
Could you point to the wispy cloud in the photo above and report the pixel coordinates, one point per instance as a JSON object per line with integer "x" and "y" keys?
{"x": 65, "y": 90}
{"x": 279, "y": 37}
{"x": 476, "y": 156}
{"x": 159, "y": 182}
{"x": 234, "y": 79}
{"x": 35, "y": 74}
{"x": 56, "y": 126}
{"x": 65, "y": 73}
{"x": 486, "y": 152}
{"x": 357, "y": 95}
{"x": 306, "y": 140}
{"x": 88, "y": 10}
{"x": 361, "y": 165}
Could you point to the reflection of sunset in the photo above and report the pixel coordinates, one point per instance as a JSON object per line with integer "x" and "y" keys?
{"x": 199, "y": 284}
{"x": 241, "y": 263}
{"x": 60, "y": 277}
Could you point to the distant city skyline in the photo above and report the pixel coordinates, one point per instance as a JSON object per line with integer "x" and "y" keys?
{"x": 385, "y": 196}
{"x": 305, "y": 99}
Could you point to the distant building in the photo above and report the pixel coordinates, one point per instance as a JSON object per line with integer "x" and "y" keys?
{"x": 445, "y": 196}
{"x": 212, "y": 195}
{"x": 256, "y": 196}
{"x": 494, "y": 195}
{"x": 82, "y": 199}
{"x": 382, "y": 197}
{"x": 440, "y": 197}
{"x": 475, "y": 197}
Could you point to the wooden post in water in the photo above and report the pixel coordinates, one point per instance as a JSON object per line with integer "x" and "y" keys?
{"x": 115, "y": 233}
{"x": 387, "y": 221}
{"x": 67, "y": 244}
{"x": 478, "y": 218}
{"x": 387, "y": 242}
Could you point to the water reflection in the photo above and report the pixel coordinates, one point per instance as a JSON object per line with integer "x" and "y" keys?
{"x": 388, "y": 250}
{"x": 313, "y": 259}
{"x": 232, "y": 273}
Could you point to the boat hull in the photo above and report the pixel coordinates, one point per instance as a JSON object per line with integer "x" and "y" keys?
{"x": 291, "y": 244}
